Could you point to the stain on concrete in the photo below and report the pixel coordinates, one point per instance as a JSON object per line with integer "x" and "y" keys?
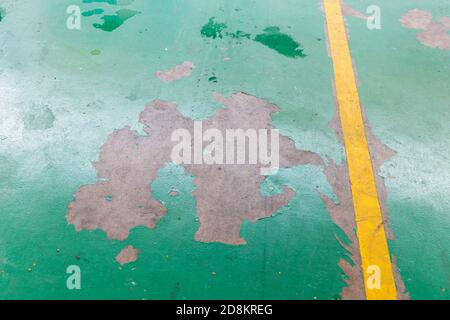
{"x": 127, "y": 255}
{"x": 174, "y": 292}
{"x": 38, "y": 117}
{"x": 177, "y": 72}
{"x": 2, "y": 14}
{"x": 239, "y": 34}
{"x": 96, "y": 52}
{"x": 9, "y": 169}
{"x": 92, "y": 12}
{"x": 348, "y": 10}
{"x": 226, "y": 195}
{"x": 213, "y": 29}
{"x": 112, "y": 22}
{"x": 282, "y": 43}
{"x": 213, "y": 79}
{"x": 434, "y": 34}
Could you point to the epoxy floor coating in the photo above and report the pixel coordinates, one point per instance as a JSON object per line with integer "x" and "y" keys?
{"x": 90, "y": 92}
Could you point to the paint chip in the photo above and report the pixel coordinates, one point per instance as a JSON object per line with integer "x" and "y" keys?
{"x": 180, "y": 71}
{"x": 127, "y": 255}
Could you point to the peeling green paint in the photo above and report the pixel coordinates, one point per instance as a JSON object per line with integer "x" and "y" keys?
{"x": 280, "y": 42}
{"x": 93, "y": 12}
{"x": 213, "y": 29}
{"x": 112, "y": 22}
{"x": 212, "y": 79}
{"x": 239, "y": 34}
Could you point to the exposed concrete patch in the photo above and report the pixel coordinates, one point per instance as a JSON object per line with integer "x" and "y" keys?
{"x": 348, "y": 10}
{"x": 127, "y": 165}
{"x": 343, "y": 212}
{"x": 177, "y": 72}
{"x": 226, "y": 194}
{"x": 127, "y": 255}
{"x": 343, "y": 215}
{"x": 416, "y": 19}
{"x": 435, "y": 34}
{"x": 380, "y": 153}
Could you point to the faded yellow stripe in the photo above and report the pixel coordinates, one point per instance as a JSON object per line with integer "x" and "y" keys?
{"x": 369, "y": 222}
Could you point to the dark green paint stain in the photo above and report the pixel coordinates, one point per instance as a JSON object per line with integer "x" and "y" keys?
{"x": 39, "y": 118}
{"x": 112, "y": 22}
{"x": 114, "y": 2}
{"x": 239, "y": 35}
{"x": 96, "y": 52}
{"x": 109, "y": 198}
{"x": 280, "y": 42}
{"x": 213, "y": 29}
{"x": 2, "y": 14}
{"x": 93, "y": 12}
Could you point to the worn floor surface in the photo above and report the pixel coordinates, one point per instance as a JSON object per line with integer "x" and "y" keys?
{"x": 85, "y": 173}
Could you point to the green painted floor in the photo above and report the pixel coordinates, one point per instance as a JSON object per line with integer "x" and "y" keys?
{"x": 62, "y": 92}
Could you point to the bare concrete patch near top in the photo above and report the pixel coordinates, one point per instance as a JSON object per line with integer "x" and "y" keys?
{"x": 434, "y": 34}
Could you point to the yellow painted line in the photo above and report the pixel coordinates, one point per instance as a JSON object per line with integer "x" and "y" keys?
{"x": 376, "y": 263}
